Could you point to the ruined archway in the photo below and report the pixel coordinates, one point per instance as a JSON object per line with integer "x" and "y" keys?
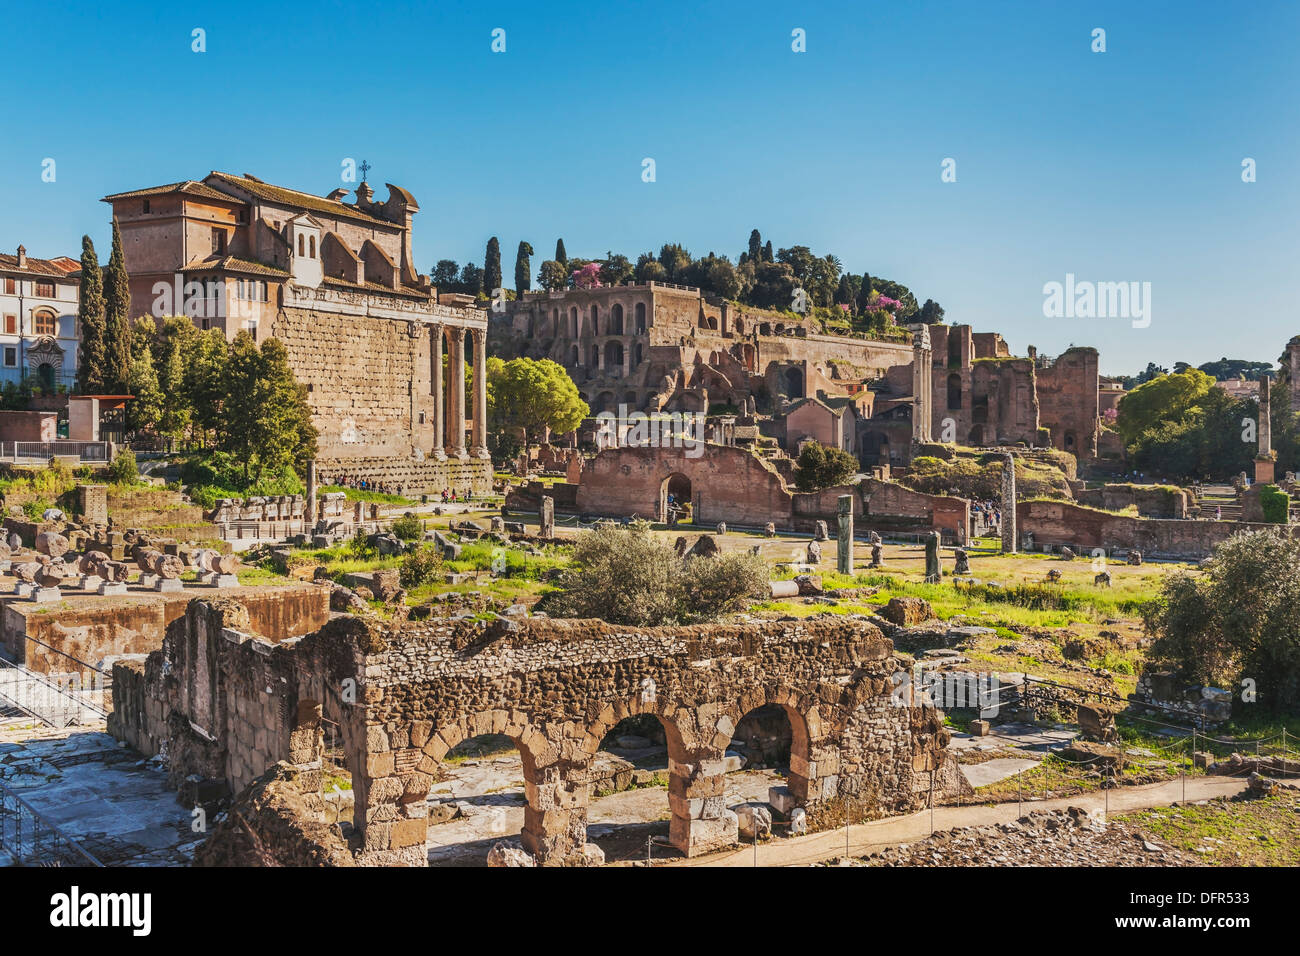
{"x": 478, "y": 797}
{"x": 792, "y": 378}
{"x": 676, "y": 487}
{"x": 614, "y": 358}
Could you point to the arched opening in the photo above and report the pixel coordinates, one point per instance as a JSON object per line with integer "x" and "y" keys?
{"x": 595, "y": 356}
{"x": 740, "y": 326}
{"x": 793, "y": 380}
{"x": 763, "y": 737}
{"x": 605, "y": 402}
{"x": 629, "y": 399}
{"x": 44, "y": 323}
{"x": 636, "y": 355}
{"x": 954, "y": 349}
{"x": 675, "y": 501}
{"x": 311, "y": 247}
{"x": 478, "y": 799}
{"x": 614, "y": 358}
{"x": 977, "y": 436}
{"x": 954, "y": 392}
{"x": 574, "y": 355}
{"x": 45, "y": 376}
{"x": 640, "y": 318}
{"x": 573, "y": 318}
{"x": 595, "y": 319}
{"x": 624, "y": 811}
{"x": 616, "y": 320}
{"x": 1069, "y": 441}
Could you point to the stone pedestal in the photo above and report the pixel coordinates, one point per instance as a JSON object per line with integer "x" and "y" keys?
{"x": 208, "y": 577}
{"x": 147, "y": 580}
{"x": 23, "y": 589}
{"x": 226, "y": 581}
{"x": 169, "y": 584}
{"x": 46, "y": 595}
{"x": 90, "y": 582}
{"x": 113, "y": 588}
{"x": 1264, "y": 470}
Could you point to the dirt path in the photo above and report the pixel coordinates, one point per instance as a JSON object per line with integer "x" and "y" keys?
{"x": 864, "y": 838}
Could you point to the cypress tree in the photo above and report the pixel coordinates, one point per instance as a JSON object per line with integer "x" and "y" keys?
{"x": 492, "y": 267}
{"x": 755, "y": 246}
{"x": 117, "y": 321}
{"x": 90, "y": 322}
{"x": 767, "y": 252}
{"x": 561, "y": 256}
{"x": 523, "y": 270}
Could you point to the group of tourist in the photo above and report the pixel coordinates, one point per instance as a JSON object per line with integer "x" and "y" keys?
{"x": 986, "y": 518}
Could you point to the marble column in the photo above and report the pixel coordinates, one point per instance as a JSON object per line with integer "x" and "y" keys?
{"x": 479, "y": 444}
{"x": 435, "y": 386}
{"x": 1009, "y": 543}
{"x": 456, "y": 395}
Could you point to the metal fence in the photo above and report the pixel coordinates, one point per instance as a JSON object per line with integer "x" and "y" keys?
{"x": 28, "y": 839}
{"x": 59, "y": 700}
{"x": 88, "y": 451}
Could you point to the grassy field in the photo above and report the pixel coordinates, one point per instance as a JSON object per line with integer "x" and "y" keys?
{"x": 1261, "y": 832}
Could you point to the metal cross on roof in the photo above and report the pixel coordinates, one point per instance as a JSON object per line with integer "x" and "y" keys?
{"x": 365, "y": 168}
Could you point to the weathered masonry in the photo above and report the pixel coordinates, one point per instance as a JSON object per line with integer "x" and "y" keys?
{"x": 228, "y": 705}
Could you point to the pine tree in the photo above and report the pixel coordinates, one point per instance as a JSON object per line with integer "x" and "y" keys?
{"x": 90, "y": 322}
{"x": 492, "y": 267}
{"x": 523, "y": 269}
{"x": 561, "y": 256}
{"x": 117, "y": 319}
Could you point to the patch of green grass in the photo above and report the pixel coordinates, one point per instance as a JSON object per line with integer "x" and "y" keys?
{"x": 1262, "y": 832}
{"x": 370, "y": 497}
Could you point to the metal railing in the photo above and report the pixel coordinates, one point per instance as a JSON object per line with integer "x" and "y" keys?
{"x": 28, "y": 839}
{"x": 96, "y": 451}
{"x": 55, "y": 700}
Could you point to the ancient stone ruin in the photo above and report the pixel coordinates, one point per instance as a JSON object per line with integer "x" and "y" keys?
{"x": 229, "y": 706}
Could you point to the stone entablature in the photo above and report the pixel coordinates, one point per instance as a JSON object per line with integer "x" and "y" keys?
{"x": 229, "y": 705}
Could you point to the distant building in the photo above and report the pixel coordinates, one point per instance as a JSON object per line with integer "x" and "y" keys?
{"x": 38, "y": 320}
{"x": 1239, "y": 387}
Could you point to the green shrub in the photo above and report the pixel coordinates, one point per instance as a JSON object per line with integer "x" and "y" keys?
{"x": 626, "y": 576}
{"x": 421, "y": 566}
{"x": 1275, "y": 503}
{"x": 123, "y": 470}
{"x": 820, "y": 467}
{"x": 408, "y": 528}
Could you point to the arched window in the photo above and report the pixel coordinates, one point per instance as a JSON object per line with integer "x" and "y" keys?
{"x": 640, "y": 318}
{"x": 573, "y": 314}
{"x": 311, "y": 243}
{"x": 302, "y": 244}
{"x": 43, "y": 323}
{"x": 616, "y": 320}
{"x": 595, "y": 319}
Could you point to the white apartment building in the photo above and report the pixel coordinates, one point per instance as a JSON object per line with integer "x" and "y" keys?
{"x": 38, "y": 320}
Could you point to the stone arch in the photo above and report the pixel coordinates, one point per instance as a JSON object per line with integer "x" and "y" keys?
{"x": 573, "y": 317}
{"x": 679, "y": 486}
{"x": 630, "y": 399}
{"x": 792, "y": 379}
{"x": 605, "y": 402}
{"x": 640, "y": 318}
{"x": 595, "y": 319}
{"x": 574, "y": 355}
{"x": 802, "y": 712}
{"x": 595, "y": 356}
{"x": 616, "y": 319}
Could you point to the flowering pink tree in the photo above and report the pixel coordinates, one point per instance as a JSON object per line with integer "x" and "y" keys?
{"x": 588, "y": 277}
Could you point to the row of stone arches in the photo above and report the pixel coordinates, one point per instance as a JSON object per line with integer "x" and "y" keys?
{"x": 591, "y": 321}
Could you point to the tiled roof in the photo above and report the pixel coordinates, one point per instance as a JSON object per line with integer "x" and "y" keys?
{"x": 375, "y": 287}
{"x": 39, "y": 267}
{"x": 189, "y": 187}
{"x": 292, "y": 197}
{"x": 235, "y": 264}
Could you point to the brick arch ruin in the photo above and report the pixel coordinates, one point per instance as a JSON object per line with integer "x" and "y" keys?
{"x": 405, "y": 697}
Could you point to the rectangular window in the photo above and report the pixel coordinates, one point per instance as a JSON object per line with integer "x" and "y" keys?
{"x": 219, "y": 241}
{"x": 146, "y": 205}
{"x": 9, "y": 285}
{"x": 11, "y": 356}
{"x": 11, "y": 325}
{"x": 45, "y": 290}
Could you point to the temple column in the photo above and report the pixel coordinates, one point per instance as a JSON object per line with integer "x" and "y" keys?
{"x": 479, "y": 443}
{"x": 456, "y": 395}
{"x": 435, "y": 386}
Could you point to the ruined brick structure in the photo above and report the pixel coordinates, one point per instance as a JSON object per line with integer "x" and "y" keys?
{"x": 229, "y": 705}
{"x": 976, "y": 393}
{"x": 735, "y": 486}
{"x": 336, "y": 283}
{"x": 655, "y": 346}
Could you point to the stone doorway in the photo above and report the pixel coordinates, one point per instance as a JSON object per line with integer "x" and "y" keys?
{"x": 678, "y": 487}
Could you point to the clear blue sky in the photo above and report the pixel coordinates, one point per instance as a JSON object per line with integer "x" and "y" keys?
{"x": 1115, "y": 166}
